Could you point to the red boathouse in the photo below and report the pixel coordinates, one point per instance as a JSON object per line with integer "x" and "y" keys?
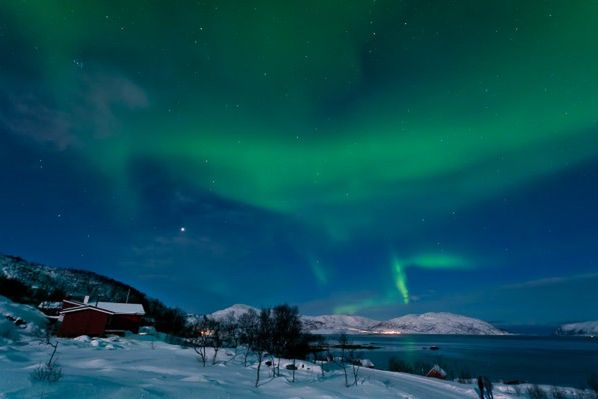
{"x": 99, "y": 318}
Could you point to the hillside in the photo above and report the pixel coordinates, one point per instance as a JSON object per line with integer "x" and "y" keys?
{"x": 32, "y": 283}
{"x": 427, "y": 323}
{"x": 58, "y": 282}
{"x": 336, "y": 324}
{"x": 437, "y": 323}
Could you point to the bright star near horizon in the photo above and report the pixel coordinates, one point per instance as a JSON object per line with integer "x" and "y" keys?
{"x": 182, "y": 229}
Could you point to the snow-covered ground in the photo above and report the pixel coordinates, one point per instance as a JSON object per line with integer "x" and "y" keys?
{"x": 134, "y": 368}
{"x": 146, "y": 367}
{"x": 137, "y": 368}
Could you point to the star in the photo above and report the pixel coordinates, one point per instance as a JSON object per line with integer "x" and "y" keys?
{"x": 183, "y": 229}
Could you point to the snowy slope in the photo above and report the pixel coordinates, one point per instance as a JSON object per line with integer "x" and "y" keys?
{"x": 137, "y": 367}
{"x": 147, "y": 367}
{"x": 336, "y": 324}
{"x": 436, "y": 323}
{"x": 19, "y": 321}
{"x": 234, "y": 311}
{"x": 125, "y": 368}
{"x": 587, "y": 328}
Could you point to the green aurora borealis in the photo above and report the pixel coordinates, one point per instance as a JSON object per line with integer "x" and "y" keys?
{"x": 357, "y": 121}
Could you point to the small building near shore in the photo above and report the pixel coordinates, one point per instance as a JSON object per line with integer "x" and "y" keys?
{"x": 99, "y": 318}
{"x": 436, "y": 372}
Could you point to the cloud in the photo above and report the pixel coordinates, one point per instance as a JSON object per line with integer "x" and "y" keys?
{"x": 90, "y": 111}
{"x": 163, "y": 246}
{"x": 101, "y": 94}
{"x": 166, "y": 258}
{"x": 550, "y": 281}
{"x": 544, "y": 301}
{"x": 26, "y": 115}
{"x": 551, "y": 300}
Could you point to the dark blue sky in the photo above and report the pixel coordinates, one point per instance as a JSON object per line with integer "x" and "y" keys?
{"x": 389, "y": 159}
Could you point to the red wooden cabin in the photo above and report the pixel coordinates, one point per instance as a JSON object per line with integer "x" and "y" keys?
{"x": 99, "y": 318}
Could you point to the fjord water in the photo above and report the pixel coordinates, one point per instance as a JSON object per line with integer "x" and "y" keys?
{"x": 564, "y": 361}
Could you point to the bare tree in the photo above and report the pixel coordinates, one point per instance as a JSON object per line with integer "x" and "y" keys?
{"x": 230, "y": 328}
{"x": 343, "y": 342}
{"x": 319, "y": 344}
{"x": 348, "y": 359}
{"x": 201, "y": 338}
{"x": 262, "y": 341}
{"x": 248, "y": 324}
{"x": 287, "y": 333}
{"x": 355, "y": 365}
{"x": 207, "y": 332}
{"x": 217, "y": 337}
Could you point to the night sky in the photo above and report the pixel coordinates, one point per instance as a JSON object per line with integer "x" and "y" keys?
{"x": 368, "y": 157}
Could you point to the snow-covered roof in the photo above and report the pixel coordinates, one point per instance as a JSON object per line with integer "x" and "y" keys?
{"x": 85, "y": 307}
{"x": 121, "y": 308}
{"x": 73, "y": 302}
{"x": 110, "y": 307}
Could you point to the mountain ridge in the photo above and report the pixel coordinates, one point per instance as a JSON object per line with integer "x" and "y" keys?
{"x": 438, "y": 323}
{"x": 426, "y": 323}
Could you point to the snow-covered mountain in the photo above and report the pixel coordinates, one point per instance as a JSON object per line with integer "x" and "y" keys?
{"x": 336, "y": 324}
{"x": 586, "y": 328}
{"x": 427, "y": 323}
{"x": 436, "y": 323}
{"x": 235, "y": 311}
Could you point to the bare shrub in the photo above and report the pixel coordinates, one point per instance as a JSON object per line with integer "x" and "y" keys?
{"x": 535, "y": 392}
{"x": 517, "y": 390}
{"x": 49, "y": 372}
{"x": 396, "y": 364}
{"x": 464, "y": 377}
{"x": 558, "y": 393}
{"x": 593, "y": 383}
